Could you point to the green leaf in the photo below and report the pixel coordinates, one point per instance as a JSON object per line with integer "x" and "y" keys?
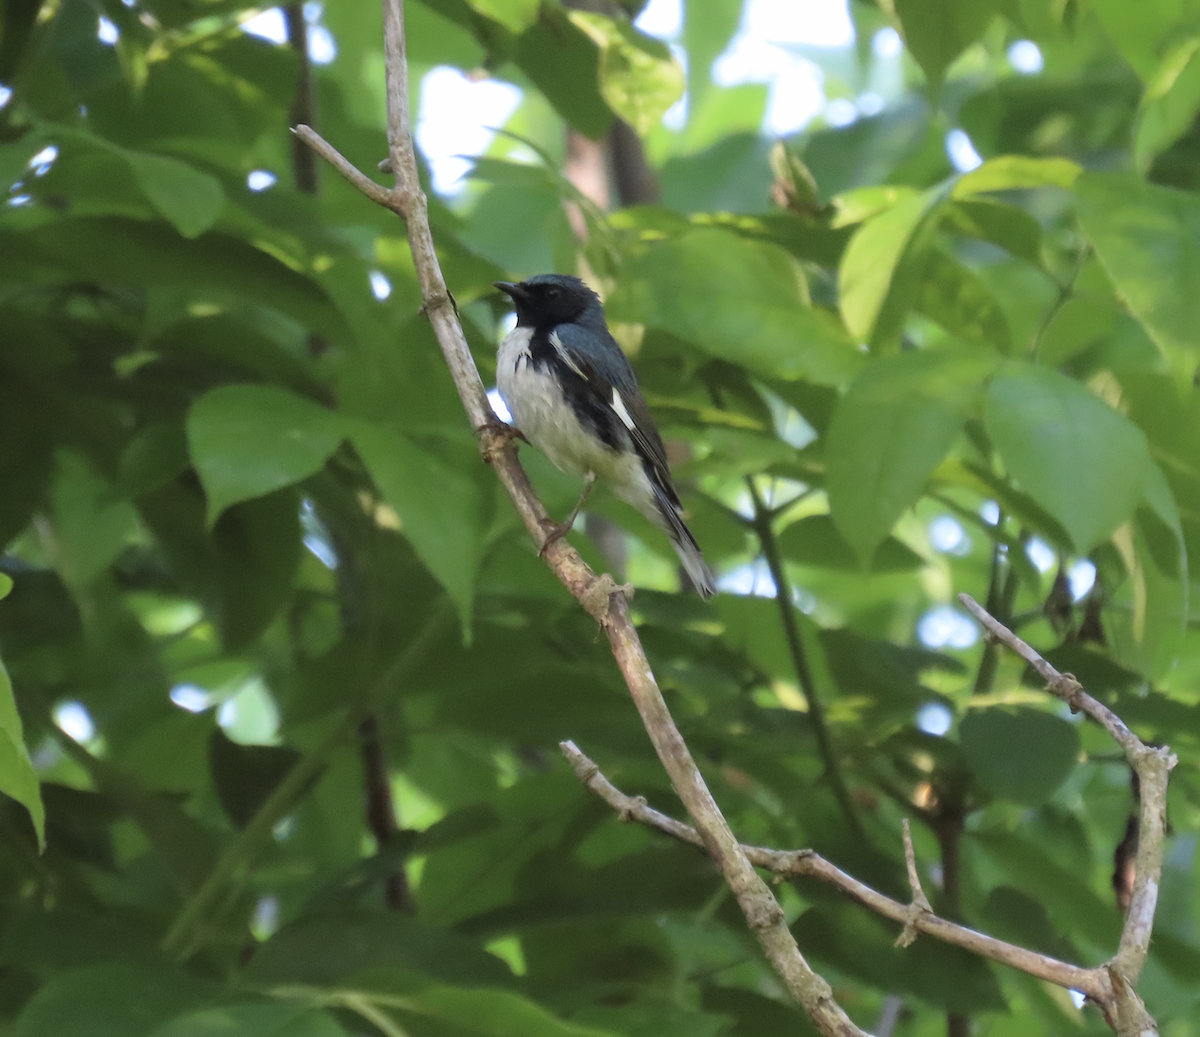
{"x": 1139, "y": 30}
{"x": 244, "y": 776}
{"x": 1007, "y": 226}
{"x": 515, "y": 15}
{"x": 938, "y": 31}
{"x": 1149, "y": 608}
{"x": 955, "y": 297}
{"x": 242, "y": 566}
{"x": 862, "y": 203}
{"x": 890, "y": 430}
{"x": 489, "y": 1013}
{"x": 1169, "y": 104}
{"x": 1015, "y": 916}
{"x": 326, "y": 948}
{"x": 731, "y": 176}
{"x": 189, "y": 199}
{"x": 117, "y": 251}
{"x": 17, "y": 776}
{"x": 271, "y": 1019}
{"x": 110, "y": 1001}
{"x": 1016, "y": 172}
{"x": 561, "y": 60}
{"x": 1023, "y": 756}
{"x": 6, "y": 585}
{"x": 92, "y": 522}
{"x": 639, "y": 76}
{"x": 153, "y": 457}
{"x": 815, "y": 540}
{"x": 1034, "y": 867}
{"x": 247, "y": 440}
{"x": 1148, "y": 240}
{"x": 862, "y": 946}
{"x": 738, "y": 300}
{"x": 881, "y": 266}
{"x": 1077, "y": 457}
{"x": 441, "y": 511}
{"x": 1079, "y": 324}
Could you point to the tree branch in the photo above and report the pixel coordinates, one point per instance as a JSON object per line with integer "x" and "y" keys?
{"x": 920, "y": 902}
{"x": 599, "y": 595}
{"x": 787, "y": 614}
{"x": 305, "y": 169}
{"x": 381, "y": 810}
{"x": 794, "y": 863}
{"x": 1153, "y": 766}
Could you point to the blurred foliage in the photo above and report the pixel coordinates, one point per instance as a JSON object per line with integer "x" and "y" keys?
{"x": 241, "y": 513}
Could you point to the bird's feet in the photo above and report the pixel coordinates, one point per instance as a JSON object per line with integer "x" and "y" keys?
{"x": 558, "y": 530}
{"x": 554, "y": 531}
{"x": 495, "y": 436}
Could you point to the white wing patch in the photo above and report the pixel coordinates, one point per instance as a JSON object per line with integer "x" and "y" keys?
{"x": 564, "y": 355}
{"x": 618, "y": 405}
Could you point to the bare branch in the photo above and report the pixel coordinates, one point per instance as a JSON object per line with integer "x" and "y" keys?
{"x": 1094, "y": 983}
{"x": 920, "y": 902}
{"x": 1153, "y": 766}
{"x": 599, "y": 595}
{"x": 376, "y": 192}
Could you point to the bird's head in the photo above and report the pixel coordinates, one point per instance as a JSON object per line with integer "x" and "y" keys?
{"x": 551, "y": 299}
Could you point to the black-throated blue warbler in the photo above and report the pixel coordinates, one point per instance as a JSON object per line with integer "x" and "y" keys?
{"x": 573, "y": 395}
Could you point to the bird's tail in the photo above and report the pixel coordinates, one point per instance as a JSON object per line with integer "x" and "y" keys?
{"x": 693, "y": 562}
{"x": 686, "y": 547}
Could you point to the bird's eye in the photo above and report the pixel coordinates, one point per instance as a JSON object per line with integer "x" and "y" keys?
{"x": 551, "y": 293}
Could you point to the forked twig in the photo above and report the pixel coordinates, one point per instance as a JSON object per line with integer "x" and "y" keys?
{"x": 1153, "y": 765}
{"x": 920, "y": 902}
{"x": 795, "y": 863}
{"x": 1110, "y": 986}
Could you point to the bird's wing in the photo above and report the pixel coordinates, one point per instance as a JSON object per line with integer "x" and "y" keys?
{"x": 610, "y": 379}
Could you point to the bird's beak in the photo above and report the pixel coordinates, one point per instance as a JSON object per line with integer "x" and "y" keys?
{"x": 514, "y": 291}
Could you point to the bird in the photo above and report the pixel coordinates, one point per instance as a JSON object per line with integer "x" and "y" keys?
{"x": 572, "y": 394}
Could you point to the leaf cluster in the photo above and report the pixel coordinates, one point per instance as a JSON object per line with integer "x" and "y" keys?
{"x": 244, "y": 524}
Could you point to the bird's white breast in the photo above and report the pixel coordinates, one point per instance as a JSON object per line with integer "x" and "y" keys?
{"x": 539, "y": 410}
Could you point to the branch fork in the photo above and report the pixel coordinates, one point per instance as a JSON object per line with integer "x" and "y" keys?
{"x": 920, "y": 906}
{"x": 1111, "y": 987}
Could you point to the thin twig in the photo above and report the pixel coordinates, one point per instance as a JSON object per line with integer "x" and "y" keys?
{"x": 381, "y": 810}
{"x": 1153, "y": 766}
{"x": 920, "y": 902}
{"x": 791, "y": 631}
{"x": 1002, "y": 592}
{"x": 599, "y": 595}
{"x": 379, "y": 194}
{"x": 1094, "y": 983}
{"x": 305, "y": 168}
